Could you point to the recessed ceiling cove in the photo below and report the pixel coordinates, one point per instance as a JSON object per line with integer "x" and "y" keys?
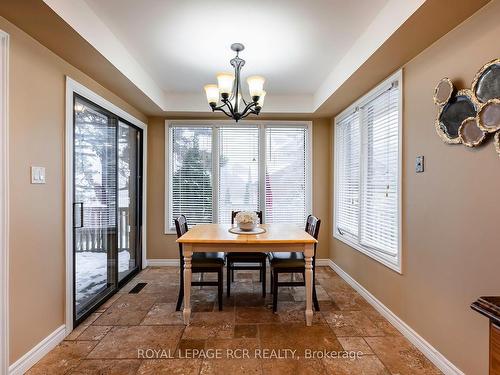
{"x": 171, "y": 48}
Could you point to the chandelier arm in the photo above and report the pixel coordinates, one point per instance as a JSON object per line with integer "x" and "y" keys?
{"x": 221, "y": 108}
{"x": 251, "y": 111}
{"x": 248, "y": 107}
{"x": 247, "y": 111}
{"x": 230, "y": 107}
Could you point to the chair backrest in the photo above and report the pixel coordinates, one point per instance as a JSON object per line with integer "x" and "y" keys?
{"x": 181, "y": 227}
{"x": 234, "y": 213}
{"x": 312, "y": 227}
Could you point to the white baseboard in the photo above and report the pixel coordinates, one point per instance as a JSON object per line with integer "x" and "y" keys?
{"x": 162, "y": 262}
{"x": 323, "y": 262}
{"x": 175, "y": 262}
{"x": 425, "y": 347}
{"x": 24, "y": 363}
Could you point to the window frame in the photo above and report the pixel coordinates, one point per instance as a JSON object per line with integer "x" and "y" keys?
{"x": 373, "y": 253}
{"x": 215, "y": 125}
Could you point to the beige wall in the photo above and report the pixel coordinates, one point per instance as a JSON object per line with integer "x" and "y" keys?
{"x": 37, "y": 105}
{"x": 450, "y": 216}
{"x": 163, "y": 246}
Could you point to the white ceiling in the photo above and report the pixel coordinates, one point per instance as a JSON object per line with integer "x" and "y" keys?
{"x": 182, "y": 44}
{"x": 171, "y": 48}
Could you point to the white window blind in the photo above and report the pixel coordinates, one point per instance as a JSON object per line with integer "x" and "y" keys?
{"x": 348, "y": 184}
{"x": 238, "y": 171}
{"x": 286, "y": 175}
{"x": 379, "y": 214}
{"x": 191, "y": 174}
{"x": 216, "y": 168}
{"x": 367, "y": 170}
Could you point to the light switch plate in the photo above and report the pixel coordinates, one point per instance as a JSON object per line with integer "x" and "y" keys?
{"x": 37, "y": 175}
{"x": 419, "y": 164}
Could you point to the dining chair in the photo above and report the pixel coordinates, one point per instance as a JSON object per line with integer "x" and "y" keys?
{"x": 246, "y": 261}
{"x": 200, "y": 263}
{"x": 294, "y": 262}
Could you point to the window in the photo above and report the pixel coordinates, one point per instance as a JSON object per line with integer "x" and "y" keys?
{"x": 367, "y": 174}
{"x": 238, "y": 171}
{"x": 191, "y": 173}
{"x": 286, "y": 175}
{"x": 215, "y": 168}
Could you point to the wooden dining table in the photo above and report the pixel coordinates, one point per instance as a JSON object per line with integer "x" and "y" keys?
{"x": 276, "y": 238}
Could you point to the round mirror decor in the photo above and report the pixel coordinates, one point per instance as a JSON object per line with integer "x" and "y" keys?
{"x": 453, "y": 113}
{"x": 486, "y": 83}
{"x": 497, "y": 142}
{"x": 470, "y": 133}
{"x": 489, "y": 116}
{"x": 443, "y": 91}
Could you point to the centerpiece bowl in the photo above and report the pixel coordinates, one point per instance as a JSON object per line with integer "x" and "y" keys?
{"x": 246, "y": 220}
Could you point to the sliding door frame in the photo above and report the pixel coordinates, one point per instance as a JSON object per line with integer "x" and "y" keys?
{"x": 73, "y": 87}
{"x": 4, "y": 203}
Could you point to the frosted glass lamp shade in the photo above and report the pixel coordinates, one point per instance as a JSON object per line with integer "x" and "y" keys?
{"x": 260, "y": 102}
{"x": 212, "y": 92}
{"x": 255, "y": 85}
{"x": 225, "y": 82}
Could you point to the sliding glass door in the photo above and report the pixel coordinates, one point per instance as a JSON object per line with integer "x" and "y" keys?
{"x": 107, "y": 157}
{"x": 129, "y": 207}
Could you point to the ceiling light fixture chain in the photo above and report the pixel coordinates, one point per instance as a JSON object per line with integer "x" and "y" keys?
{"x": 227, "y": 94}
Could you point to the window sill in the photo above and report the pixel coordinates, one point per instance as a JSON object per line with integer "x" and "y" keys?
{"x": 395, "y": 266}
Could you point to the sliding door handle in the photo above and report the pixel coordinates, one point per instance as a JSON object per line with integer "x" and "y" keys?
{"x": 81, "y": 215}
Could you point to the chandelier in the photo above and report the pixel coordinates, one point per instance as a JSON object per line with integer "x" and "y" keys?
{"x": 227, "y": 97}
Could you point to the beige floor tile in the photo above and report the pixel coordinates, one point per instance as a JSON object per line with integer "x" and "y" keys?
{"x": 94, "y": 333}
{"x": 249, "y": 315}
{"x": 129, "y": 342}
{"x": 129, "y": 309}
{"x": 170, "y": 367}
{"x": 245, "y": 331}
{"x": 293, "y": 366}
{"x": 231, "y": 366}
{"x": 352, "y": 323}
{"x": 64, "y": 357}
{"x": 400, "y": 356}
{"x": 299, "y": 337}
{"x": 364, "y": 365}
{"x": 163, "y": 314}
{"x": 107, "y": 367}
{"x": 234, "y": 348}
{"x": 355, "y": 344}
{"x": 293, "y": 312}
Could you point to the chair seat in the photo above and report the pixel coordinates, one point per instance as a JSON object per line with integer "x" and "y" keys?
{"x": 246, "y": 257}
{"x": 207, "y": 260}
{"x": 287, "y": 260}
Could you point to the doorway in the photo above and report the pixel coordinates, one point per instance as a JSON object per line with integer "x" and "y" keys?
{"x": 106, "y": 203}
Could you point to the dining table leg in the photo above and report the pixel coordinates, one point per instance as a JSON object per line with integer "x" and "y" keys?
{"x": 188, "y": 253}
{"x": 308, "y": 254}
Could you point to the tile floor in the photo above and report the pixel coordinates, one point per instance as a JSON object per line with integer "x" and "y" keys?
{"x": 110, "y": 340}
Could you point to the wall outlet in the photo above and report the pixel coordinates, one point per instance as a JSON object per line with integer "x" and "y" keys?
{"x": 419, "y": 164}
{"x": 37, "y": 175}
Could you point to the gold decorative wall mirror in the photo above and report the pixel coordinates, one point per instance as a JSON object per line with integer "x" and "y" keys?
{"x": 469, "y": 116}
